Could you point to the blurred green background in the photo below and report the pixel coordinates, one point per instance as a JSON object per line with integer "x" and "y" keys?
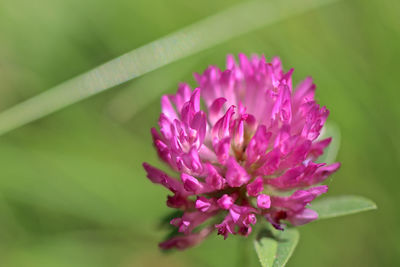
{"x": 72, "y": 190}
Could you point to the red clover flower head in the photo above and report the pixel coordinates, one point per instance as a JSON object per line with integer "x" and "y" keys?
{"x": 244, "y": 144}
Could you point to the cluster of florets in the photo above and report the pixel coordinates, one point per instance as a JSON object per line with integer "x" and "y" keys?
{"x": 250, "y": 153}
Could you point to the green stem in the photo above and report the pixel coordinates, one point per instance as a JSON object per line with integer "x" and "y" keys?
{"x": 244, "y": 253}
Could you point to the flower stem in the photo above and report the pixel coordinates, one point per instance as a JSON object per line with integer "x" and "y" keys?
{"x": 244, "y": 253}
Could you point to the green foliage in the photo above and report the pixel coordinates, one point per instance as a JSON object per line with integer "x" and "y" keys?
{"x": 330, "y": 153}
{"x": 266, "y": 248}
{"x": 330, "y": 207}
{"x": 274, "y": 248}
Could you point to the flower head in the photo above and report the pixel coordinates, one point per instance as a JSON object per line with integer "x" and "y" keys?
{"x": 249, "y": 154}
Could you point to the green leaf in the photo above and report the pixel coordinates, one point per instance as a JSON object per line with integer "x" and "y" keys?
{"x": 342, "y": 205}
{"x": 211, "y": 31}
{"x": 275, "y": 249}
{"x": 288, "y": 240}
{"x": 332, "y": 130}
{"x": 266, "y": 250}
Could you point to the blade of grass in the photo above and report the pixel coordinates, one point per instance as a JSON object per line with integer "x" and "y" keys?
{"x": 204, "y": 34}
{"x": 120, "y": 106}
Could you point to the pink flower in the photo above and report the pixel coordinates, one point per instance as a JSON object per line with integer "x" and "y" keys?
{"x": 249, "y": 153}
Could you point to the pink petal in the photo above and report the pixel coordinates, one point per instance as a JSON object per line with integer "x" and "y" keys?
{"x": 236, "y": 175}
{"x": 263, "y": 201}
{"x": 255, "y": 187}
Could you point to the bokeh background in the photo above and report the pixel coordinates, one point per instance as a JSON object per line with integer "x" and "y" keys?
{"x": 72, "y": 190}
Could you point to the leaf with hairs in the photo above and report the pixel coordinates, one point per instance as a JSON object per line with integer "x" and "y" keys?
{"x": 274, "y": 248}
{"x": 331, "y": 207}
